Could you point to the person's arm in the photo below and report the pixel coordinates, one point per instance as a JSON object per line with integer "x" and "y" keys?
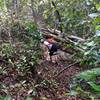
{"x": 46, "y": 43}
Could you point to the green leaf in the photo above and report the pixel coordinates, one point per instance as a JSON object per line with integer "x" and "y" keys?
{"x": 90, "y": 43}
{"x": 28, "y": 98}
{"x": 88, "y": 75}
{"x": 5, "y": 98}
{"x": 98, "y": 7}
{"x": 92, "y": 98}
{"x": 98, "y": 27}
{"x": 87, "y": 53}
{"x": 95, "y": 87}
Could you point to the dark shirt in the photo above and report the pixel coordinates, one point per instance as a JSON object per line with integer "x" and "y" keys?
{"x": 53, "y": 49}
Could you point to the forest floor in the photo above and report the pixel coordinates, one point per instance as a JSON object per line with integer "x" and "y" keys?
{"x": 45, "y": 86}
{"x": 60, "y": 84}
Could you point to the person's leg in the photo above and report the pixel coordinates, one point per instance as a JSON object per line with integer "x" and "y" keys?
{"x": 46, "y": 53}
{"x": 54, "y": 58}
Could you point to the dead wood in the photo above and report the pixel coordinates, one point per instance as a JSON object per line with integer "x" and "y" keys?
{"x": 66, "y": 68}
{"x": 66, "y": 40}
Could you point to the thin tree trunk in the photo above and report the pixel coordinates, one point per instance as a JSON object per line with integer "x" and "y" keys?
{"x": 58, "y": 17}
{"x": 8, "y": 30}
{"x": 34, "y": 14}
{"x": 16, "y": 5}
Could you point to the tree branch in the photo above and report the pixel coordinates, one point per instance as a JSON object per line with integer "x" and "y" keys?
{"x": 66, "y": 68}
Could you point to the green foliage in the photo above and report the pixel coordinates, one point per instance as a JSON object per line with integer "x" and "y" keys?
{"x": 23, "y": 54}
{"x": 6, "y": 49}
{"x": 74, "y": 18}
{"x": 28, "y": 58}
{"x": 78, "y": 17}
{"x": 5, "y": 98}
{"x": 91, "y": 50}
{"x": 95, "y": 87}
{"x": 28, "y": 98}
{"x": 91, "y": 53}
{"x": 31, "y": 53}
{"x": 94, "y": 51}
{"x": 28, "y": 46}
{"x": 30, "y": 26}
{"x": 3, "y": 89}
{"x": 87, "y": 83}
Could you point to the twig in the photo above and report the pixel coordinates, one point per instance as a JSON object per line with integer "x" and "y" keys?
{"x": 66, "y": 68}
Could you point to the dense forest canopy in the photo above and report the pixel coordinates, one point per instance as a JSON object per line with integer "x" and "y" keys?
{"x": 24, "y": 73}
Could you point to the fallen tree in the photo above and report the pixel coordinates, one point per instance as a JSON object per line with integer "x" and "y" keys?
{"x": 61, "y": 35}
{"x": 64, "y": 40}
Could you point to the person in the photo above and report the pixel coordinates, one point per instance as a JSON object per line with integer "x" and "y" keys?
{"x": 51, "y": 53}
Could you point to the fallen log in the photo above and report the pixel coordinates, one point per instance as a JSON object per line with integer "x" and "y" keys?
{"x": 67, "y": 40}
{"x": 60, "y": 35}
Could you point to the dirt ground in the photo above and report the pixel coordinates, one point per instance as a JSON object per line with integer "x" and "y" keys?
{"x": 46, "y": 85}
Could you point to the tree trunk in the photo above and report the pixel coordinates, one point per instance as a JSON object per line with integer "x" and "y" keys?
{"x": 34, "y": 14}
{"x": 58, "y": 17}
